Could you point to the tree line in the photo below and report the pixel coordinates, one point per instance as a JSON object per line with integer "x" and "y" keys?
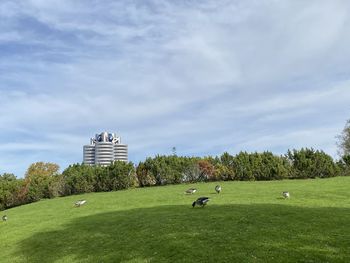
{"x": 43, "y": 180}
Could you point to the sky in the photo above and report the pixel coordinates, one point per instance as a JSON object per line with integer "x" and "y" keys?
{"x": 204, "y": 76}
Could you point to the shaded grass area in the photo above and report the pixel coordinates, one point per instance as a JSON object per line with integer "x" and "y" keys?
{"x": 247, "y": 222}
{"x": 240, "y": 233}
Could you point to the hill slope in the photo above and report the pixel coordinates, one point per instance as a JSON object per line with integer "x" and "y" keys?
{"x": 247, "y": 222}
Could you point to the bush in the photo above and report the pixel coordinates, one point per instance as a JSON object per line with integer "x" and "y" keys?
{"x": 259, "y": 166}
{"x": 144, "y": 176}
{"x": 81, "y": 178}
{"x": 10, "y": 189}
{"x": 40, "y": 181}
{"x": 308, "y": 163}
{"x": 206, "y": 171}
{"x": 120, "y": 175}
{"x": 244, "y": 166}
{"x": 162, "y": 170}
{"x": 224, "y": 167}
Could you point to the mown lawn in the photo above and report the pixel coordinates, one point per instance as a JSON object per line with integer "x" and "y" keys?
{"x": 246, "y": 222}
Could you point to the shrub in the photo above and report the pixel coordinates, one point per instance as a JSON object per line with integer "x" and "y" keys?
{"x": 206, "y": 171}
{"x": 308, "y": 163}
{"x": 144, "y": 176}
{"x": 79, "y": 178}
{"x": 120, "y": 175}
{"x": 40, "y": 180}
{"x": 162, "y": 170}
{"x": 10, "y": 189}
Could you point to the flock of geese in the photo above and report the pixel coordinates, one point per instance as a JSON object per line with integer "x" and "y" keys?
{"x": 201, "y": 201}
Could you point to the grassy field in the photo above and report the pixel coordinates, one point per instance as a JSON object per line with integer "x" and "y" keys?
{"x": 247, "y": 222}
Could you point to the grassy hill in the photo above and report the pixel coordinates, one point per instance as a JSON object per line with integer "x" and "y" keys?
{"x": 247, "y": 222}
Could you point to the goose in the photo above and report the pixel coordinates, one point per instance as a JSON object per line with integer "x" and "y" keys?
{"x": 4, "y": 218}
{"x": 285, "y": 194}
{"x": 218, "y": 189}
{"x": 202, "y": 201}
{"x": 80, "y": 203}
{"x": 191, "y": 191}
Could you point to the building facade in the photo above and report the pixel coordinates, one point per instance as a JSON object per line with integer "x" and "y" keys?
{"x": 104, "y": 149}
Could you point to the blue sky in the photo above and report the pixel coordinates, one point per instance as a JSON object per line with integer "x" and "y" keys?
{"x": 203, "y": 76}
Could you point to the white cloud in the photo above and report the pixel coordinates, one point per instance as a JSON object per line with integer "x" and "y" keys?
{"x": 205, "y": 76}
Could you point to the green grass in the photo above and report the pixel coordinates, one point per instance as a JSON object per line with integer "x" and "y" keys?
{"x": 247, "y": 222}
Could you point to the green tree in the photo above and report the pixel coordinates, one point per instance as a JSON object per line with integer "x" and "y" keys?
{"x": 121, "y": 175}
{"x": 308, "y": 163}
{"x": 10, "y": 189}
{"x": 144, "y": 176}
{"x": 81, "y": 178}
{"x": 242, "y": 167}
{"x": 224, "y": 167}
{"x": 172, "y": 169}
{"x": 40, "y": 181}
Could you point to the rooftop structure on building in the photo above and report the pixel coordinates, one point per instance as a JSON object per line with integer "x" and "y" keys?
{"x": 104, "y": 149}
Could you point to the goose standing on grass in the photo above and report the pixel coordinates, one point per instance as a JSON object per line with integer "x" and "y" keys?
{"x": 285, "y": 194}
{"x": 80, "y": 203}
{"x": 4, "y": 218}
{"x": 218, "y": 189}
{"x": 191, "y": 191}
{"x": 201, "y": 201}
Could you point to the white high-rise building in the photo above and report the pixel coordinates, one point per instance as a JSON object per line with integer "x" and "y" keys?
{"x": 104, "y": 149}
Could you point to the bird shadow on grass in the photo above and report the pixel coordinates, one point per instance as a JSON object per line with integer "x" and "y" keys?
{"x": 216, "y": 233}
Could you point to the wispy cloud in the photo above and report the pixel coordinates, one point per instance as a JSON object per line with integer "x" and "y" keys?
{"x": 204, "y": 76}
